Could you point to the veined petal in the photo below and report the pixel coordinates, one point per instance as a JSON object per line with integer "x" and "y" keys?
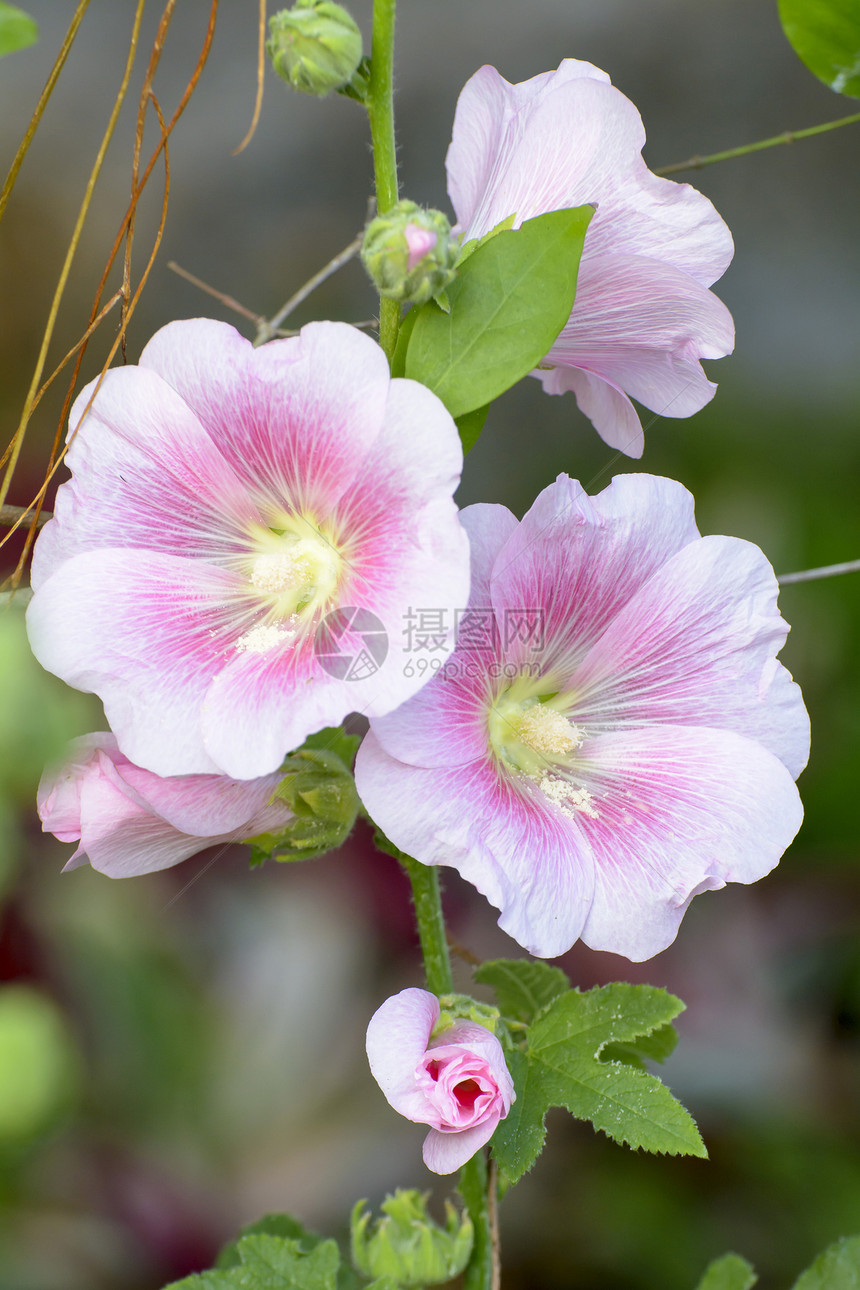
{"x": 446, "y": 1152}
{"x": 696, "y": 645}
{"x": 607, "y": 407}
{"x": 294, "y": 417}
{"x": 397, "y": 1039}
{"x": 147, "y": 632}
{"x": 445, "y": 723}
{"x": 575, "y": 560}
{"x": 145, "y": 475}
{"x": 569, "y": 138}
{"x": 641, "y": 327}
{"x": 529, "y": 860}
{"x": 681, "y": 810}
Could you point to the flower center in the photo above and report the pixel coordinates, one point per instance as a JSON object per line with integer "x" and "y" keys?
{"x": 530, "y": 735}
{"x": 293, "y": 576}
{"x": 296, "y": 569}
{"x": 533, "y": 737}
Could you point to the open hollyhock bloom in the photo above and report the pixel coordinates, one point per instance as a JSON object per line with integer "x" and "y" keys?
{"x": 244, "y": 532}
{"x": 643, "y": 316}
{"x": 129, "y": 821}
{"x": 456, "y": 1081}
{"x": 612, "y": 735}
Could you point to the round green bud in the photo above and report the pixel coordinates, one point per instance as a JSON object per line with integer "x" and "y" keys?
{"x": 315, "y": 46}
{"x": 408, "y": 253}
{"x": 405, "y": 1246}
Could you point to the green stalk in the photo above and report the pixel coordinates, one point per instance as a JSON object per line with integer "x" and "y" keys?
{"x": 790, "y": 136}
{"x": 474, "y": 1186}
{"x": 431, "y": 924}
{"x": 380, "y": 111}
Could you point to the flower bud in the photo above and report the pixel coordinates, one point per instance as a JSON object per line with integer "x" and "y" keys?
{"x": 315, "y": 46}
{"x": 319, "y": 790}
{"x": 408, "y": 253}
{"x": 406, "y": 1246}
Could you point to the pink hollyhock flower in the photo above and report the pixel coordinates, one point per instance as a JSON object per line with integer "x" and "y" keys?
{"x": 243, "y": 534}
{"x": 612, "y": 735}
{"x": 455, "y": 1081}
{"x": 643, "y": 315}
{"x": 129, "y": 821}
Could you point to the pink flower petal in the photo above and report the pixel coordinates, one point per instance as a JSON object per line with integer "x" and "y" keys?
{"x": 564, "y": 139}
{"x": 397, "y": 1038}
{"x": 532, "y": 863}
{"x": 298, "y": 414}
{"x": 607, "y": 407}
{"x": 445, "y": 723}
{"x": 681, "y": 810}
{"x": 112, "y": 806}
{"x": 579, "y": 559}
{"x": 147, "y": 632}
{"x": 145, "y": 475}
{"x": 642, "y": 318}
{"x": 696, "y": 645}
{"x": 445, "y": 1153}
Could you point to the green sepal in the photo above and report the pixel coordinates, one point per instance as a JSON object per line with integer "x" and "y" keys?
{"x": 825, "y": 35}
{"x": 562, "y": 1062}
{"x": 319, "y": 789}
{"x": 731, "y": 1272}
{"x": 17, "y": 29}
{"x": 462, "y": 1007}
{"x": 334, "y": 739}
{"x": 359, "y": 87}
{"x": 405, "y": 1247}
{"x": 509, "y": 301}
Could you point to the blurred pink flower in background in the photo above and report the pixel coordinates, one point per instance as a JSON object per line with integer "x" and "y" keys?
{"x": 455, "y": 1081}
{"x": 224, "y": 501}
{"x": 643, "y": 315}
{"x": 129, "y": 821}
{"x": 613, "y": 734}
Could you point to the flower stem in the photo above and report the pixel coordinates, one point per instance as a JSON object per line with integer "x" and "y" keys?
{"x": 380, "y": 111}
{"x": 478, "y": 1188}
{"x": 431, "y": 924}
{"x": 789, "y": 136}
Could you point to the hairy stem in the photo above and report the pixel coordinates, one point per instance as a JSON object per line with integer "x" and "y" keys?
{"x": 789, "y": 136}
{"x": 380, "y": 110}
{"x": 478, "y": 1188}
{"x": 431, "y": 924}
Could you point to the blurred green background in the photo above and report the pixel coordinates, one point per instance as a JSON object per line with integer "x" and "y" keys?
{"x": 182, "y": 1052}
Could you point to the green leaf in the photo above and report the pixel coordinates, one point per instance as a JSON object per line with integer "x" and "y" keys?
{"x": 509, "y": 301}
{"x": 838, "y": 1268}
{"x": 280, "y": 1225}
{"x": 271, "y": 1263}
{"x": 647, "y": 1048}
{"x": 470, "y": 425}
{"x": 522, "y": 987}
{"x": 731, "y": 1272}
{"x": 562, "y": 1064}
{"x": 17, "y": 29}
{"x": 825, "y": 35}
